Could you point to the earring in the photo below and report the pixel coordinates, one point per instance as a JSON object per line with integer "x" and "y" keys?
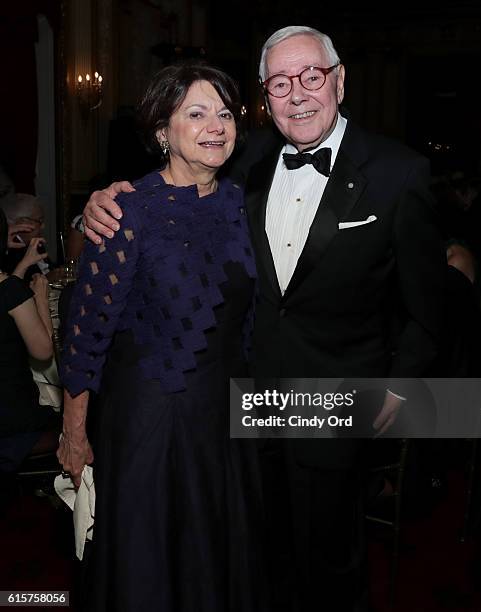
{"x": 164, "y": 146}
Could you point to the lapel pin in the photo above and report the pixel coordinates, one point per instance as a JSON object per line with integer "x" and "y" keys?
{"x": 350, "y": 185}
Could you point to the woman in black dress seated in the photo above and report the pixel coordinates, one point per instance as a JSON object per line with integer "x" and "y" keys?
{"x": 159, "y": 320}
{"x": 25, "y": 330}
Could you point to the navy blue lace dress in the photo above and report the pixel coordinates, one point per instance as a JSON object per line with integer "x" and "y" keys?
{"x": 158, "y": 323}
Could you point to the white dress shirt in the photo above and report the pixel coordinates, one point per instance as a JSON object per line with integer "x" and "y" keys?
{"x": 292, "y": 205}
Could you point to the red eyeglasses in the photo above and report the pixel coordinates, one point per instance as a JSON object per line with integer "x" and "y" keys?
{"x": 312, "y": 78}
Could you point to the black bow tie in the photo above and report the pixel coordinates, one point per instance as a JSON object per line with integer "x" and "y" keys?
{"x": 321, "y": 160}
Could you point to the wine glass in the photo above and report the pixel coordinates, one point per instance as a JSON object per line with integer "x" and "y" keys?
{"x": 70, "y": 271}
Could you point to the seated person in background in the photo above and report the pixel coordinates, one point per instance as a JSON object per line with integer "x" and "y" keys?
{"x": 458, "y": 206}
{"x": 24, "y": 209}
{"x": 461, "y": 257}
{"x": 7, "y": 201}
{"x": 25, "y": 330}
{"x": 462, "y": 335}
{"x": 7, "y": 189}
{"x": 458, "y": 358}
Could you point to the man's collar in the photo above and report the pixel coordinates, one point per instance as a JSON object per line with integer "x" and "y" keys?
{"x": 333, "y": 141}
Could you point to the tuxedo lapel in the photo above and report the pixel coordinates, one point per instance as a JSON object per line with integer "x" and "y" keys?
{"x": 343, "y": 189}
{"x": 257, "y": 192}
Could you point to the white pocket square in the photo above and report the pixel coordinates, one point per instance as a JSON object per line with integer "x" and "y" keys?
{"x": 348, "y": 224}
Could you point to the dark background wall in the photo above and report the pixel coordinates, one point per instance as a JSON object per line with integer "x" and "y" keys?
{"x": 412, "y": 73}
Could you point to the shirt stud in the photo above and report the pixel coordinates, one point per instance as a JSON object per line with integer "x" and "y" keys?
{"x": 350, "y": 185}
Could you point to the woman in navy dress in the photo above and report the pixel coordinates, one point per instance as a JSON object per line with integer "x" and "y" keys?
{"x": 159, "y": 321}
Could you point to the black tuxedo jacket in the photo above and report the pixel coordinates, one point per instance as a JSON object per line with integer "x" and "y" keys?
{"x": 336, "y": 316}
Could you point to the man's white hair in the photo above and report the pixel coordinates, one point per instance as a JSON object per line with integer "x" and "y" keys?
{"x": 288, "y": 32}
{"x": 22, "y": 205}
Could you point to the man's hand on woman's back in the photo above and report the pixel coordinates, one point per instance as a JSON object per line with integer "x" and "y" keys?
{"x": 101, "y": 212}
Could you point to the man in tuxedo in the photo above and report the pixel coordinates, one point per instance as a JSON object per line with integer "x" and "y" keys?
{"x": 345, "y": 244}
{"x": 343, "y": 228}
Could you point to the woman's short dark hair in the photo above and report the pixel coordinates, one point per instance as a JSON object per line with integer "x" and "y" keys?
{"x": 3, "y": 236}
{"x": 168, "y": 89}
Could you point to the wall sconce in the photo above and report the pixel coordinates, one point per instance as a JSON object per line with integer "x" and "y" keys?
{"x": 89, "y": 92}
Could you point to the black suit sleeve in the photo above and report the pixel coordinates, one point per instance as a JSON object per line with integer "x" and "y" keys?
{"x": 421, "y": 271}
{"x": 259, "y": 143}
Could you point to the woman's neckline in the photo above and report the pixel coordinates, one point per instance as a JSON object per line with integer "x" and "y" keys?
{"x": 193, "y": 187}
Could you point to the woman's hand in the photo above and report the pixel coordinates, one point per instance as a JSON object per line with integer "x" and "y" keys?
{"x": 74, "y": 452}
{"x": 31, "y": 257}
{"x": 39, "y": 285}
